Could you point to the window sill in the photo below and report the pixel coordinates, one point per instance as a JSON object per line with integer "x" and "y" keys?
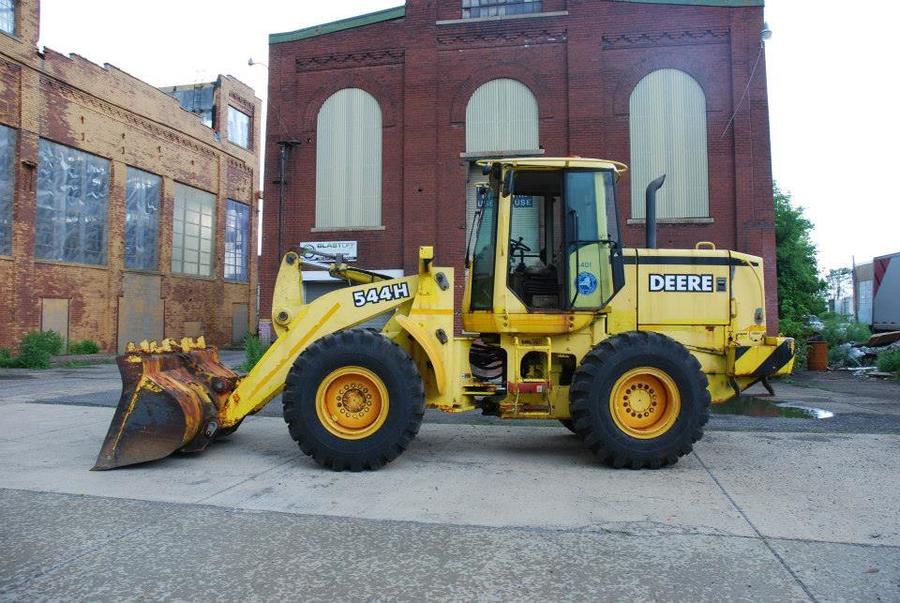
{"x": 240, "y": 146}
{"x": 8, "y": 258}
{"x": 145, "y": 272}
{"x": 501, "y": 154}
{"x": 196, "y": 277}
{"x": 229, "y": 281}
{"x": 10, "y": 35}
{"x": 558, "y": 13}
{"x": 71, "y": 264}
{"x": 633, "y": 221}
{"x": 344, "y": 228}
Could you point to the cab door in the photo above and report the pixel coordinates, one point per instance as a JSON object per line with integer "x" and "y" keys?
{"x": 592, "y": 234}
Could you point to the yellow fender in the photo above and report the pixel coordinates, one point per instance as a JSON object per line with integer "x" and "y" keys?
{"x": 427, "y": 343}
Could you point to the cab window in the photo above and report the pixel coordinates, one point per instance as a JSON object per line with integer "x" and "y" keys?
{"x": 534, "y": 270}
{"x": 482, "y": 250}
{"x": 592, "y": 237}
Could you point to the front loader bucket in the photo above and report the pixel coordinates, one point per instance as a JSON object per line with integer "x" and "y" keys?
{"x": 171, "y": 396}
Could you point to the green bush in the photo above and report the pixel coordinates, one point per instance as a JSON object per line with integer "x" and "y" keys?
{"x": 253, "y": 351}
{"x": 839, "y": 356}
{"x": 7, "y": 360}
{"x": 35, "y": 351}
{"x": 889, "y": 361}
{"x": 800, "y": 333}
{"x": 86, "y": 346}
{"x": 839, "y": 330}
{"x": 48, "y": 341}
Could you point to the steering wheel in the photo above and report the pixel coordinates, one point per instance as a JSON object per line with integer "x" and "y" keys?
{"x": 518, "y": 246}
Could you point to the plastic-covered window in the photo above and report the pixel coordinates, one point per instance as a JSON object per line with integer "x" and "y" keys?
{"x": 142, "y": 201}
{"x": 7, "y": 187}
{"x": 499, "y": 8}
{"x": 237, "y": 236}
{"x": 193, "y": 228}
{"x": 238, "y": 127}
{"x": 199, "y": 100}
{"x": 8, "y": 16}
{"x": 72, "y": 197}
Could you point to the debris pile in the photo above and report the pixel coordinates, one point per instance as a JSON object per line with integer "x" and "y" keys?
{"x": 861, "y": 358}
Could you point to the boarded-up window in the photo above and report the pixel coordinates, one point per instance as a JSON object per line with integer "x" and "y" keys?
{"x": 73, "y": 189}
{"x": 502, "y": 115}
{"x": 667, "y": 115}
{"x": 237, "y": 237}
{"x": 193, "y": 229}
{"x": 7, "y": 187}
{"x": 142, "y": 199}
{"x": 348, "y": 161}
{"x": 55, "y": 316}
{"x": 8, "y": 16}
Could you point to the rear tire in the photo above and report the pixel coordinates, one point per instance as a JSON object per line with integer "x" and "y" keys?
{"x": 354, "y": 400}
{"x": 639, "y": 400}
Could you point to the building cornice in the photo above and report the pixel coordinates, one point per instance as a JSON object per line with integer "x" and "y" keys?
{"x": 398, "y": 12}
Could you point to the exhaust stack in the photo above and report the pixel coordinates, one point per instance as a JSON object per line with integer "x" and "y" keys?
{"x": 650, "y": 212}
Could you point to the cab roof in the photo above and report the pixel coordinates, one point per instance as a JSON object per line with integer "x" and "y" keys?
{"x": 559, "y": 163}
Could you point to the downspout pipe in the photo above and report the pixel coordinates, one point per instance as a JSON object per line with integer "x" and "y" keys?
{"x": 285, "y": 147}
{"x": 650, "y": 210}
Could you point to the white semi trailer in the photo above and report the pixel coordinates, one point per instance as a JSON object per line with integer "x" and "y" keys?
{"x": 886, "y": 293}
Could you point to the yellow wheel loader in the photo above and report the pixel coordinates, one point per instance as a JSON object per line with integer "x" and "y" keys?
{"x": 626, "y": 347}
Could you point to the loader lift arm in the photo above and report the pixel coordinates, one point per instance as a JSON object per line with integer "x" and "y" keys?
{"x": 299, "y": 324}
{"x": 178, "y": 397}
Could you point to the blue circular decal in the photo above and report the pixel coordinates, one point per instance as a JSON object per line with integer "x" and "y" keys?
{"x": 586, "y": 283}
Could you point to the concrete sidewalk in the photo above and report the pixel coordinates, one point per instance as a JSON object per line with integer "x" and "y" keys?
{"x": 468, "y": 512}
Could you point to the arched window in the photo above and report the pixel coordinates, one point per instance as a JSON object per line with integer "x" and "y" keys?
{"x": 348, "y": 161}
{"x": 502, "y": 118}
{"x": 667, "y": 117}
{"x": 502, "y": 115}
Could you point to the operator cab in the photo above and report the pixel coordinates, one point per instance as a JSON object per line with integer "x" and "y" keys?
{"x": 545, "y": 240}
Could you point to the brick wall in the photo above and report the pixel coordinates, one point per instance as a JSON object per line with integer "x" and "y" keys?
{"x": 107, "y": 112}
{"x": 581, "y": 66}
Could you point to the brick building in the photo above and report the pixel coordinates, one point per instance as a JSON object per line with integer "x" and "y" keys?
{"x": 123, "y": 216}
{"x": 382, "y": 116}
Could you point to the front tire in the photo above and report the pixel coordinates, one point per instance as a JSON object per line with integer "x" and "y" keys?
{"x": 639, "y": 400}
{"x": 569, "y": 424}
{"x": 354, "y": 400}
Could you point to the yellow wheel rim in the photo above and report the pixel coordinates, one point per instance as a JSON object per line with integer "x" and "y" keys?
{"x": 645, "y": 403}
{"x": 352, "y": 402}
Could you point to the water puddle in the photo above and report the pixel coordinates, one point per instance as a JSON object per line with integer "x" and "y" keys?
{"x": 748, "y": 406}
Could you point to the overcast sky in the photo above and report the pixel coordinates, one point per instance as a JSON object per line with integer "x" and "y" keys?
{"x": 833, "y": 88}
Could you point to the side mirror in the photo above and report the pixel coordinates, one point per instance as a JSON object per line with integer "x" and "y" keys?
{"x": 507, "y": 184}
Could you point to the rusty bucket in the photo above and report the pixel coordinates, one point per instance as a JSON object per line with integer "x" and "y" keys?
{"x": 818, "y": 356}
{"x": 171, "y": 397}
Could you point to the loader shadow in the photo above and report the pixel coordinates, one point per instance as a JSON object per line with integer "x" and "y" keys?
{"x": 548, "y": 446}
